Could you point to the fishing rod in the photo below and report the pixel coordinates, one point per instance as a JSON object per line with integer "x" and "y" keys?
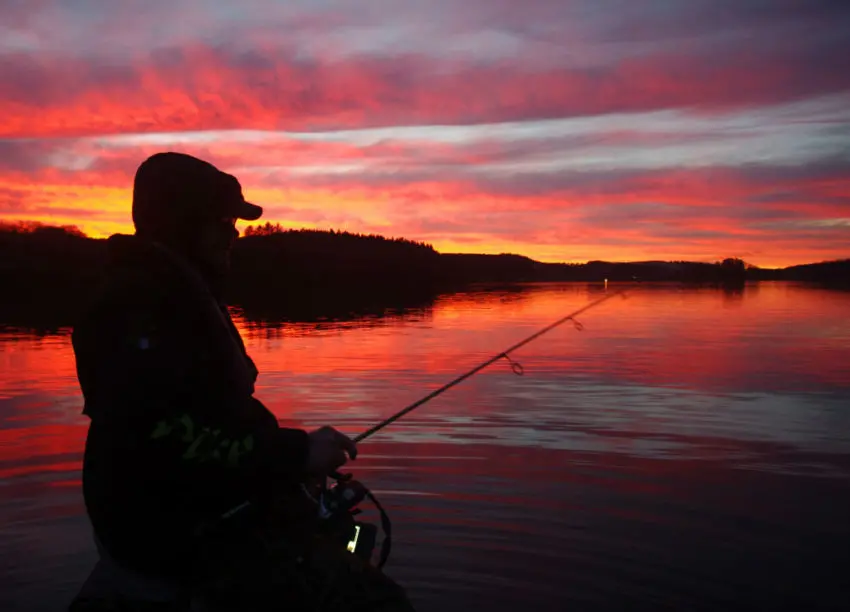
{"x": 516, "y": 367}
{"x": 338, "y": 505}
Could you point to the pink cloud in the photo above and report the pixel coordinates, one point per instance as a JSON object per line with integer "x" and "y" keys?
{"x": 201, "y": 87}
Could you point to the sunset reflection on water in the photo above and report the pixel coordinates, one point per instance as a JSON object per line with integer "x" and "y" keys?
{"x": 689, "y": 445}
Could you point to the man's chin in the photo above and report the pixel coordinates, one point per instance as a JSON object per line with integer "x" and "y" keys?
{"x": 218, "y": 266}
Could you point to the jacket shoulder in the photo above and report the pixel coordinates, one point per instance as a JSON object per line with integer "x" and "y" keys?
{"x": 125, "y": 312}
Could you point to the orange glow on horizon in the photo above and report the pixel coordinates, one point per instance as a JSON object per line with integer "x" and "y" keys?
{"x": 454, "y": 218}
{"x": 483, "y": 244}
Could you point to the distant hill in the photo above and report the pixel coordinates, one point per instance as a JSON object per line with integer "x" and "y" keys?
{"x": 47, "y": 272}
{"x": 827, "y": 272}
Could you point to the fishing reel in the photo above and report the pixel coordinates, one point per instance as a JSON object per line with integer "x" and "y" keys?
{"x": 338, "y": 505}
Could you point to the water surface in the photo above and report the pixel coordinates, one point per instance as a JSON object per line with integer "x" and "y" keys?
{"x": 689, "y": 449}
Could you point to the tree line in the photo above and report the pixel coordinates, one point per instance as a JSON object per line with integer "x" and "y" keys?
{"x": 48, "y": 271}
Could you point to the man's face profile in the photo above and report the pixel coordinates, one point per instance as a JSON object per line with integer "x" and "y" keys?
{"x": 215, "y": 242}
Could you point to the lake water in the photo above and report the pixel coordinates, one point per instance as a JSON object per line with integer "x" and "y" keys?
{"x": 689, "y": 449}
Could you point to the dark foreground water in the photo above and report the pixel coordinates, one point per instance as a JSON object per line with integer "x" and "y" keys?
{"x": 689, "y": 450}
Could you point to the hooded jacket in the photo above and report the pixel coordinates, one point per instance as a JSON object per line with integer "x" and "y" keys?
{"x": 176, "y": 437}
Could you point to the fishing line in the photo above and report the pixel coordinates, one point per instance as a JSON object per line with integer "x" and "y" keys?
{"x": 515, "y": 366}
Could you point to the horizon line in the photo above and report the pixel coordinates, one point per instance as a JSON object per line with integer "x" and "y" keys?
{"x": 74, "y": 228}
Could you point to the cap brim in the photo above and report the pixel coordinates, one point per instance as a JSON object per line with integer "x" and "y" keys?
{"x": 249, "y": 212}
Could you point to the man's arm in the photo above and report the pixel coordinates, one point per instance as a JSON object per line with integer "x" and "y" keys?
{"x": 140, "y": 375}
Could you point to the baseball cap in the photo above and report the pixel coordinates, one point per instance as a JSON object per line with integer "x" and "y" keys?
{"x": 171, "y": 188}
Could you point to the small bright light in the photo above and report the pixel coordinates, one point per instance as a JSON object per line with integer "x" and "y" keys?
{"x": 353, "y": 543}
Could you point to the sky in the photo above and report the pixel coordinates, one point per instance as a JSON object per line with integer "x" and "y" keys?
{"x": 564, "y": 130}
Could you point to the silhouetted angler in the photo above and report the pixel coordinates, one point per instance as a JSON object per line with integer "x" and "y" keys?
{"x": 176, "y": 436}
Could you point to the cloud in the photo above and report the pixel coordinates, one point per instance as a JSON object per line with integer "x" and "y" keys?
{"x": 781, "y": 139}
{"x": 224, "y": 86}
{"x": 588, "y": 129}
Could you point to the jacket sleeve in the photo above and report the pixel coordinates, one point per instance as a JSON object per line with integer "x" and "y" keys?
{"x": 140, "y": 376}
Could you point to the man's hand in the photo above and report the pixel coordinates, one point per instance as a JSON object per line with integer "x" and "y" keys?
{"x": 328, "y": 448}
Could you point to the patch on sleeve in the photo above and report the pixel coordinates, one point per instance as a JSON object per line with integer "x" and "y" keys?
{"x": 142, "y": 332}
